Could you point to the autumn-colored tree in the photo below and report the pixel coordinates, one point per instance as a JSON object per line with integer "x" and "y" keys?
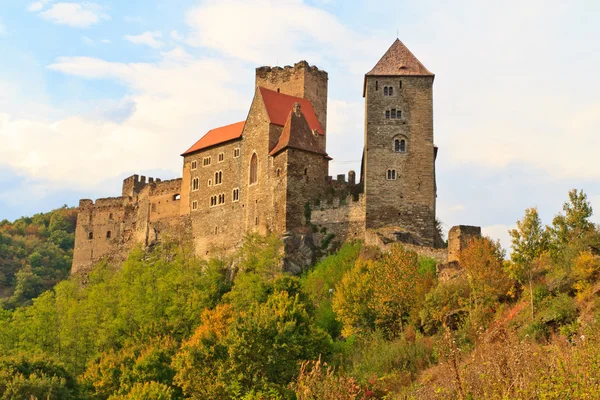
{"x": 482, "y": 260}
{"x": 529, "y": 241}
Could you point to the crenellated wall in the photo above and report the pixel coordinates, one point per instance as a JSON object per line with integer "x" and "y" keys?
{"x": 111, "y": 227}
{"x": 344, "y": 218}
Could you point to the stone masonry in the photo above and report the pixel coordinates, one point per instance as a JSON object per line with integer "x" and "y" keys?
{"x": 270, "y": 173}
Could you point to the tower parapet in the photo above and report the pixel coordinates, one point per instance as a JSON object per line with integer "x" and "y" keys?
{"x": 300, "y": 80}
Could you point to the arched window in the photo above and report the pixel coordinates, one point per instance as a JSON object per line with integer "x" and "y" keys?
{"x": 385, "y": 90}
{"x": 195, "y": 184}
{"x": 218, "y": 177}
{"x": 391, "y": 91}
{"x": 391, "y": 174}
{"x": 253, "y": 169}
{"x": 399, "y": 145}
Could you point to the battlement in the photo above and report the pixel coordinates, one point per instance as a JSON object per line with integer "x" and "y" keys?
{"x": 269, "y": 72}
{"x": 341, "y": 179}
{"x": 103, "y": 202}
{"x": 134, "y": 184}
{"x": 339, "y": 202}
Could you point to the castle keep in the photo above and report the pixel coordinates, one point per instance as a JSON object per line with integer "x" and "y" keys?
{"x": 270, "y": 173}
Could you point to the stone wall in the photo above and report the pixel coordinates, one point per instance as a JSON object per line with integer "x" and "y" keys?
{"x": 344, "y": 218}
{"x": 458, "y": 239}
{"x": 409, "y": 200}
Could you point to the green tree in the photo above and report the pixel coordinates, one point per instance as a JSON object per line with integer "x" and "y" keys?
{"x": 529, "y": 242}
{"x": 574, "y": 224}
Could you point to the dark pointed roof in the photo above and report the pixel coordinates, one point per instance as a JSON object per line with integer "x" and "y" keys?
{"x": 398, "y": 61}
{"x": 297, "y": 134}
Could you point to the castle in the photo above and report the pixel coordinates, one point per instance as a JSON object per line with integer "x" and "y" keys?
{"x": 270, "y": 173}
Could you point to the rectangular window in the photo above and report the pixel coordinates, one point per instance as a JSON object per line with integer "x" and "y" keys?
{"x": 393, "y": 113}
{"x": 221, "y": 157}
{"x": 387, "y": 114}
{"x": 194, "y": 205}
{"x": 236, "y": 194}
{"x": 398, "y": 114}
{"x": 194, "y": 165}
{"x": 236, "y": 153}
{"x": 206, "y": 161}
{"x": 195, "y": 184}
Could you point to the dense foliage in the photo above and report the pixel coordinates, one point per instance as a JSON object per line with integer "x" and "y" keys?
{"x": 361, "y": 324}
{"x": 35, "y": 254}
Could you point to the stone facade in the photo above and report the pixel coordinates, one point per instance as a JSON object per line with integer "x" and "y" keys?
{"x": 269, "y": 174}
{"x": 458, "y": 240}
{"x": 399, "y": 162}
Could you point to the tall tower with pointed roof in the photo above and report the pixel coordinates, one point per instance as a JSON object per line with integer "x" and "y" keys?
{"x": 399, "y": 154}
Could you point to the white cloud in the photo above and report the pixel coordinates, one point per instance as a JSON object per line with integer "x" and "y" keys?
{"x": 498, "y": 232}
{"x": 88, "y": 41}
{"x": 288, "y": 31}
{"x": 151, "y": 39}
{"x": 77, "y": 15}
{"x": 37, "y": 5}
{"x": 176, "y": 36}
{"x": 105, "y": 41}
{"x": 179, "y": 96}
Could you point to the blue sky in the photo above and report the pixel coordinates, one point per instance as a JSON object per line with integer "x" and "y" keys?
{"x": 93, "y": 91}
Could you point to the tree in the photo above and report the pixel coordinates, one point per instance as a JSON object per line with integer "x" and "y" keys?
{"x": 574, "y": 223}
{"x": 482, "y": 260}
{"x": 529, "y": 242}
{"x": 382, "y": 293}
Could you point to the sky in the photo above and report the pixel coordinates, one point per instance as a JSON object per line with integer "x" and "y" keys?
{"x": 94, "y": 91}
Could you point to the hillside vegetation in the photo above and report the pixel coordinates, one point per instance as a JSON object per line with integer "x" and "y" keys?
{"x": 360, "y": 324}
{"x": 35, "y": 253}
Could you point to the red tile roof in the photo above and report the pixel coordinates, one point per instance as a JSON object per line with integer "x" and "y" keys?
{"x": 279, "y": 106}
{"x": 297, "y": 134}
{"x": 218, "y": 136}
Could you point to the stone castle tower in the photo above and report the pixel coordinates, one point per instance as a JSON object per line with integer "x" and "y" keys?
{"x": 399, "y": 154}
{"x": 270, "y": 174}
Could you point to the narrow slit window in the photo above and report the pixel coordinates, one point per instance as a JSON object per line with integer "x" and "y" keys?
{"x": 376, "y": 85}
{"x": 90, "y": 235}
{"x": 108, "y": 234}
{"x": 253, "y": 169}
{"x": 385, "y": 91}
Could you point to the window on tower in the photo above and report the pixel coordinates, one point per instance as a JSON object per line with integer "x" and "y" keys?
{"x": 391, "y": 91}
{"x": 387, "y": 114}
{"x": 391, "y": 174}
{"x": 376, "y": 85}
{"x": 385, "y": 90}
{"x": 393, "y": 113}
{"x": 399, "y": 145}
